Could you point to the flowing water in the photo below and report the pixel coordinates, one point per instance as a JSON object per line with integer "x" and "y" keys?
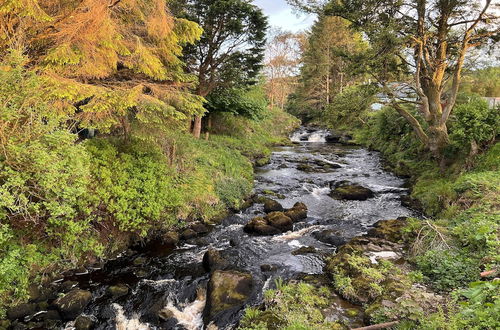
{"x": 172, "y": 282}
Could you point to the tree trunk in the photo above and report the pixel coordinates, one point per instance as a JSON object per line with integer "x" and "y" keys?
{"x": 197, "y": 127}
{"x": 209, "y": 127}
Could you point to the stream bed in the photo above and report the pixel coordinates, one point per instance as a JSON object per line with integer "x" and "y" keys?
{"x": 166, "y": 287}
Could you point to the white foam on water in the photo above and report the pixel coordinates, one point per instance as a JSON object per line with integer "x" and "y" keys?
{"x": 123, "y": 323}
{"x": 191, "y": 316}
{"x": 317, "y": 137}
{"x": 295, "y": 243}
{"x": 296, "y": 234}
{"x": 318, "y": 192}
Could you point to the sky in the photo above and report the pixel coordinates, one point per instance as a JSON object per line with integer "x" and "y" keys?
{"x": 282, "y": 15}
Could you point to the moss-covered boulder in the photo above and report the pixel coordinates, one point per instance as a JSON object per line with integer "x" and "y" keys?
{"x": 304, "y": 250}
{"x": 117, "y": 291}
{"x": 227, "y": 291}
{"x": 260, "y": 226}
{"x": 297, "y": 212}
{"x": 170, "y": 238}
{"x": 279, "y": 221}
{"x": 270, "y": 205}
{"x": 21, "y": 311}
{"x": 353, "y": 192}
{"x": 390, "y": 230}
{"x": 73, "y": 303}
{"x": 212, "y": 260}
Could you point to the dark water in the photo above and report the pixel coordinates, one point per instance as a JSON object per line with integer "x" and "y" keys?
{"x": 169, "y": 280}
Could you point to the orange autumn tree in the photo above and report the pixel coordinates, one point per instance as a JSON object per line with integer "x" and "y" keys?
{"x": 112, "y": 65}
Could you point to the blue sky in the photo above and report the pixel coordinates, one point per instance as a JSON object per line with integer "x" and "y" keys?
{"x": 282, "y": 15}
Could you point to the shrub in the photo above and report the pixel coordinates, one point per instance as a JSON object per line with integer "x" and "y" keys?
{"x": 447, "y": 269}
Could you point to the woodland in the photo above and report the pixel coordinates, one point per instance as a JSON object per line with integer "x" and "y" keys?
{"x": 122, "y": 121}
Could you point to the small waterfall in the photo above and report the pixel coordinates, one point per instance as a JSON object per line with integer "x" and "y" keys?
{"x": 123, "y": 323}
{"x": 309, "y": 135}
{"x": 191, "y": 317}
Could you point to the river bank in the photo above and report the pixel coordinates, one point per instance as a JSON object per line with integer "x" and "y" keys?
{"x": 428, "y": 272}
{"x": 139, "y": 192}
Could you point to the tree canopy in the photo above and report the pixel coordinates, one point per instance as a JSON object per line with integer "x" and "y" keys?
{"x": 230, "y": 51}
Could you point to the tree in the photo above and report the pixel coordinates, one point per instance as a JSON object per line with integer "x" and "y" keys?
{"x": 106, "y": 64}
{"x": 230, "y": 51}
{"x": 282, "y": 64}
{"x": 325, "y": 71}
{"x": 426, "y": 40}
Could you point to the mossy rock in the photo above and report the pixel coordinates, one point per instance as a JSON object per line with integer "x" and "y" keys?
{"x": 352, "y": 192}
{"x": 271, "y": 205}
{"x": 260, "y": 226}
{"x": 297, "y": 212}
{"x": 304, "y": 250}
{"x": 305, "y": 168}
{"x": 73, "y": 303}
{"x": 227, "y": 290}
{"x": 390, "y": 230}
{"x": 280, "y": 221}
{"x": 117, "y": 291}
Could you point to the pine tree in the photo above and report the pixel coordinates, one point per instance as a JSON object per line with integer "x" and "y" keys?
{"x": 112, "y": 65}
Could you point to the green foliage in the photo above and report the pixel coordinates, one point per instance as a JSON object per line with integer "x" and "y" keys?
{"x": 447, "y": 269}
{"x": 132, "y": 184}
{"x": 473, "y": 121}
{"x": 484, "y": 82}
{"x": 348, "y": 109}
{"x": 292, "y": 306}
{"x": 248, "y": 102}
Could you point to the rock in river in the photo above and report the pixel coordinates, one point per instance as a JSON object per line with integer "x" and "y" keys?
{"x": 280, "y": 221}
{"x": 73, "y": 303}
{"x": 353, "y": 192}
{"x": 227, "y": 290}
{"x": 331, "y": 237}
{"x": 297, "y": 212}
{"x": 271, "y": 205}
{"x": 260, "y": 226}
{"x": 212, "y": 260}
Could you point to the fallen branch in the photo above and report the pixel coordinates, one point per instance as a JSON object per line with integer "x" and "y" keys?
{"x": 378, "y": 326}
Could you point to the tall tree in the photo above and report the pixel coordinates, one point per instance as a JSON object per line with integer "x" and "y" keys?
{"x": 426, "y": 40}
{"x": 282, "y": 59}
{"x": 230, "y": 50}
{"x": 325, "y": 70}
{"x": 106, "y": 64}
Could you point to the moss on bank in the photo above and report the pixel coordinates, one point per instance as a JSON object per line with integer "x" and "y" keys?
{"x": 106, "y": 193}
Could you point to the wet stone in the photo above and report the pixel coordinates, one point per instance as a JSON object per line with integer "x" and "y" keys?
{"x": 188, "y": 234}
{"x": 21, "y": 311}
{"x": 331, "y": 237}
{"x": 84, "y": 322}
{"x": 73, "y": 303}
{"x": 117, "y": 291}
{"x": 353, "y": 192}
{"x": 271, "y": 205}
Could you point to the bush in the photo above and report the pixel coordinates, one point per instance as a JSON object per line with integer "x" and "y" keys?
{"x": 132, "y": 185}
{"x": 472, "y": 121}
{"x": 447, "y": 269}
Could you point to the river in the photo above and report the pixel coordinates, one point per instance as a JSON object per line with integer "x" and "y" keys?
{"x": 170, "y": 281}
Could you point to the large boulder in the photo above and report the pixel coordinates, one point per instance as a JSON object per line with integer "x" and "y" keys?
{"x": 171, "y": 238}
{"x": 260, "y": 226}
{"x": 21, "y": 311}
{"x": 331, "y": 237}
{"x": 73, "y": 303}
{"x": 390, "y": 230}
{"x": 280, "y": 221}
{"x": 212, "y": 260}
{"x": 352, "y": 192}
{"x": 297, "y": 212}
{"x": 227, "y": 291}
{"x": 271, "y": 205}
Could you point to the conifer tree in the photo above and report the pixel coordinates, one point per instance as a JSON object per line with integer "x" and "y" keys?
{"x": 230, "y": 51}
{"x": 110, "y": 64}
